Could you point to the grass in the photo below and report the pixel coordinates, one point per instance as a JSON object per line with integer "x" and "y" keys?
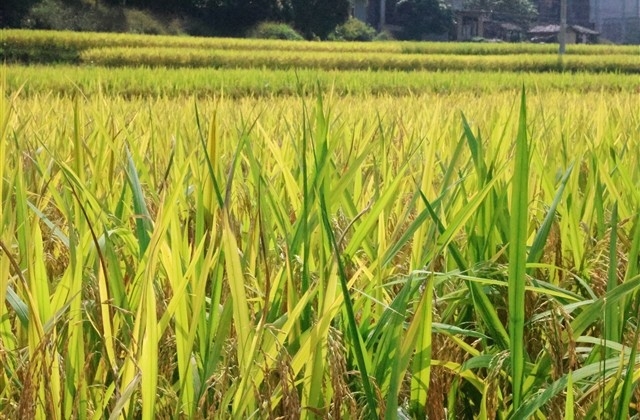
{"x": 70, "y": 44}
{"x": 174, "y": 254}
{"x": 337, "y": 60}
{"x": 240, "y": 83}
{"x": 127, "y": 50}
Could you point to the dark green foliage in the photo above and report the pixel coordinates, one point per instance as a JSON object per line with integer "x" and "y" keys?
{"x": 59, "y": 15}
{"x": 236, "y": 17}
{"x": 12, "y": 12}
{"x": 141, "y": 22}
{"x": 353, "y": 30}
{"x": 314, "y": 18}
{"x": 384, "y": 36}
{"x": 318, "y": 18}
{"x": 79, "y": 16}
{"x": 274, "y": 30}
{"x": 516, "y": 11}
{"x": 420, "y": 18}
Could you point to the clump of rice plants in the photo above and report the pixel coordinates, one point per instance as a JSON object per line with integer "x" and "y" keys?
{"x": 35, "y": 42}
{"x": 240, "y": 83}
{"x": 337, "y": 60}
{"x": 316, "y": 256}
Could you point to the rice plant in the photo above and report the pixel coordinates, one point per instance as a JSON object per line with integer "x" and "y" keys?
{"x": 319, "y": 255}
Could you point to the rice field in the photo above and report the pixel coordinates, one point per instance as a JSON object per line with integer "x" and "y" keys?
{"x": 117, "y": 50}
{"x": 318, "y": 243}
{"x": 68, "y": 80}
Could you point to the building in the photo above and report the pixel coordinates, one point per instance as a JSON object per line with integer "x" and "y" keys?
{"x": 505, "y": 31}
{"x": 578, "y": 12}
{"x": 470, "y": 24}
{"x": 575, "y": 34}
{"x": 615, "y": 20}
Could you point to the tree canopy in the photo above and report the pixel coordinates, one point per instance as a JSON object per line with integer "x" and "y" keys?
{"x": 312, "y": 18}
{"x": 422, "y": 17}
{"x": 518, "y": 11}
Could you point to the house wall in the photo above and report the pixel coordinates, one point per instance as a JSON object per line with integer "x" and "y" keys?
{"x": 621, "y": 30}
{"x": 616, "y": 19}
{"x": 469, "y": 27}
{"x": 571, "y": 36}
{"x": 578, "y": 11}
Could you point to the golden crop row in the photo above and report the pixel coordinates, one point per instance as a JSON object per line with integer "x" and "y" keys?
{"x": 45, "y": 45}
{"x": 198, "y": 57}
{"x": 202, "y": 82}
{"x": 192, "y": 258}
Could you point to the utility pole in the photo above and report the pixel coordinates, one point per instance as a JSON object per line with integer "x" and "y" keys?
{"x": 562, "y": 37}
{"x": 383, "y": 14}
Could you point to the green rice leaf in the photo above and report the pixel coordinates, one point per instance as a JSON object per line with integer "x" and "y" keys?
{"x": 626, "y": 393}
{"x": 537, "y": 247}
{"x": 568, "y": 404}
{"x": 143, "y": 219}
{"x": 353, "y": 327}
{"x": 518, "y": 255}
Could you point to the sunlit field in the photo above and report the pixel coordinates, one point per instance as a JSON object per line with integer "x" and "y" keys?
{"x": 305, "y": 241}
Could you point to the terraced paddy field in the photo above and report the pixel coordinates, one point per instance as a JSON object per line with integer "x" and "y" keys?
{"x": 186, "y": 239}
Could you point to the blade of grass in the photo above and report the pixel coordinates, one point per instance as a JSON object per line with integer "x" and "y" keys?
{"x": 353, "y": 326}
{"x": 626, "y": 393}
{"x": 612, "y": 311}
{"x": 568, "y": 404}
{"x": 421, "y": 367}
{"x": 143, "y": 219}
{"x": 518, "y": 255}
{"x": 210, "y": 148}
{"x": 483, "y": 305}
{"x": 18, "y": 305}
{"x": 634, "y": 251}
{"x": 537, "y": 248}
{"x": 531, "y": 405}
{"x": 241, "y": 308}
{"x": 593, "y": 310}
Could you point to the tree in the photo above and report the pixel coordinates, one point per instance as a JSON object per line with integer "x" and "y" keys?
{"x": 12, "y": 12}
{"x": 422, "y": 17}
{"x": 236, "y": 17}
{"x": 516, "y": 11}
{"x": 319, "y": 17}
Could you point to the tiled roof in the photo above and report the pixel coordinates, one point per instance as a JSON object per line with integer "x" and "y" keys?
{"x": 582, "y": 30}
{"x": 552, "y": 29}
{"x": 545, "y": 29}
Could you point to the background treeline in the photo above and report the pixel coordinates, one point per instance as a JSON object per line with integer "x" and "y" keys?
{"x": 287, "y": 19}
{"x": 197, "y": 17}
{"x": 311, "y": 19}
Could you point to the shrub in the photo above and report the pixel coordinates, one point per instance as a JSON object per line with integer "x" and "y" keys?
{"x": 384, "y": 35}
{"x": 317, "y": 18}
{"x": 141, "y": 22}
{"x": 55, "y": 14}
{"x": 353, "y": 30}
{"x": 420, "y": 18}
{"x": 274, "y": 30}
